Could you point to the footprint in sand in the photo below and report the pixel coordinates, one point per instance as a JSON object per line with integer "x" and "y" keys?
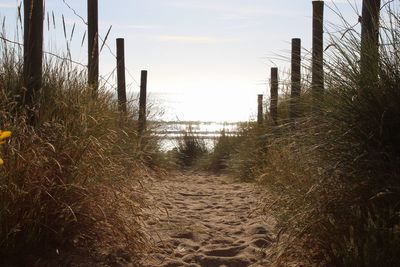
{"x": 209, "y": 224}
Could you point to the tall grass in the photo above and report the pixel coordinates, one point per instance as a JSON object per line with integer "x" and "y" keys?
{"x": 72, "y": 182}
{"x": 218, "y": 160}
{"x": 335, "y": 172}
{"x": 189, "y": 149}
{"x": 249, "y": 152}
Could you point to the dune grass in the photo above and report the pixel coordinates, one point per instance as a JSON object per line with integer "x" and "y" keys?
{"x": 189, "y": 150}
{"x": 74, "y": 181}
{"x": 335, "y": 172}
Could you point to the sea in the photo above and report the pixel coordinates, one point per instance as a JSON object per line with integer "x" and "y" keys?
{"x": 170, "y": 132}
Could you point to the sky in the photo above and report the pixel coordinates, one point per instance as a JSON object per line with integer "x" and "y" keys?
{"x": 206, "y": 59}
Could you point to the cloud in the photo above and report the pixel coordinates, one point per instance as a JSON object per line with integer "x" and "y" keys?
{"x": 192, "y": 39}
{"x": 137, "y": 26}
{"x": 233, "y": 11}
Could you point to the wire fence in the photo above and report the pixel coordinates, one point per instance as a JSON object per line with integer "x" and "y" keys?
{"x": 106, "y": 79}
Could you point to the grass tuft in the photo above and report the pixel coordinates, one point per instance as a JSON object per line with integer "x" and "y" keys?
{"x": 334, "y": 172}
{"x": 190, "y": 149}
{"x": 73, "y": 182}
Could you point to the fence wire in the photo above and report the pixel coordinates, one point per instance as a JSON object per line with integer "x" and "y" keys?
{"x": 105, "y": 78}
{"x": 104, "y": 43}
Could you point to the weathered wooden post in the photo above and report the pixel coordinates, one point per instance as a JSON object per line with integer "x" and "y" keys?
{"x": 295, "y": 78}
{"x": 260, "y": 116}
{"x": 121, "y": 75}
{"x": 33, "y": 56}
{"x": 370, "y": 40}
{"x": 273, "y": 107}
{"x": 317, "y": 83}
{"x": 93, "y": 45}
{"x": 142, "y": 102}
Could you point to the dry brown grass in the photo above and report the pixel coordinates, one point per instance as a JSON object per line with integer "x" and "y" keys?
{"x": 73, "y": 183}
{"x": 335, "y": 173}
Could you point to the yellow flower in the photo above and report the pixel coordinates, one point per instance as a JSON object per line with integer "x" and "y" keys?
{"x": 4, "y": 135}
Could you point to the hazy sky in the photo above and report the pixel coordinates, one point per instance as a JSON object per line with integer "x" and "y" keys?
{"x": 207, "y": 59}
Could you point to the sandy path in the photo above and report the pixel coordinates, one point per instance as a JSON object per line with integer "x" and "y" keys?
{"x": 207, "y": 221}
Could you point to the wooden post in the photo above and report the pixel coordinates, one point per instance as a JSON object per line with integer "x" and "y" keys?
{"x": 317, "y": 83}
{"x": 260, "y": 117}
{"x": 121, "y": 75}
{"x": 93, "y": 45}
{"x": 33, "y": 57}
{"x": 295, "y": 78}
{"x": 273, "y": 107}
{"x": 370, "y": 41}
{"x": 142, "y": 102}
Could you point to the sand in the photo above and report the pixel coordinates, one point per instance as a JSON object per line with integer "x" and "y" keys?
{"x": 207, "y": 220}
